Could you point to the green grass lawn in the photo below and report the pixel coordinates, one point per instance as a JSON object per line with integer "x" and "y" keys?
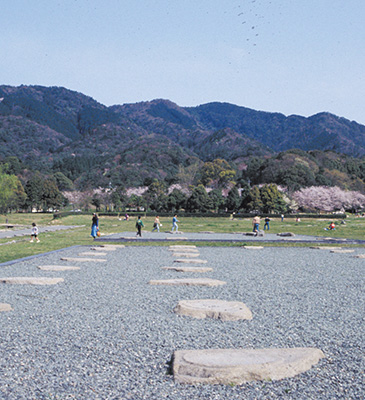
{"x": 21, "y": 247}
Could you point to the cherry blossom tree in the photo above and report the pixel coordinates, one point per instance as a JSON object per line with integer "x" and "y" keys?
{"x": 323, "y": 198}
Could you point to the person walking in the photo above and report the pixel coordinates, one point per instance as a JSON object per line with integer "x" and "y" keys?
{"x": 267, "y": 220}
{"x": 139, "y": 226}
{"x": 256, "y": 225}
{"x": 156, "y": 224}
{"x": 94, "y": 225}
{"x": 174, "y": 223}
{"x": 34, "y": 233}
{"x": 282, "y": 217}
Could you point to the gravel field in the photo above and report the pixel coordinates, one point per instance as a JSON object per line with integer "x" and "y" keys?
{"x": 105, "y": 333}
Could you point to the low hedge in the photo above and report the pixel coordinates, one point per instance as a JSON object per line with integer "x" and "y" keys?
{"x": 201, "y": 215}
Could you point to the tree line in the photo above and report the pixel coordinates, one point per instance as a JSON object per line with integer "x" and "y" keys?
{"x": 211, "y": 187}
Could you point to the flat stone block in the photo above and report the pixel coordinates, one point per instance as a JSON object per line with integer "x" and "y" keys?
{"x": 98, "y": 249}
{"x": 325, "y": 247}
{"x": 285, "y": 234}
{"x": 112, "y": 246}
{"x": 187, "y": 255}
{"x": 5, "y": 307}
{"x": 253, "y": 247}
{"x": 187, "y": 261}
{"x": 188, "y": 269}
{"x": 83, "y": 259}
{"x": 360, "y": 256}
{"x": 211, "y": 308}
{"x": 188, "y": 282}
{"x": 185, "y": 250}
{"x": 31, "y": 281}
{"x": 182, "y": 246}
{"x": 342, "y": 251}
{"x": 237, "y": 366}
{"x": 175, "y": 239}
{"x": 57, "y": 268}
{"x": 92, "y": 253}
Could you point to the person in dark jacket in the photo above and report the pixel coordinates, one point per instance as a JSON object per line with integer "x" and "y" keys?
{"x": 139, "y": 226}
{"x": 94, "y": 225}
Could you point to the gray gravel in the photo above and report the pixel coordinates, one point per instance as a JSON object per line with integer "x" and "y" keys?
{"x": 106, "y": 334}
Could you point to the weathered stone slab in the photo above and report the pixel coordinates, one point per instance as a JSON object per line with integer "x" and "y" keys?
{"x": 342, "y": 251}
{"x": 188, "y": 269}
{"x": 187, "y": 255}
{"x": 174, "y": 239}
{"x": 112, "y": 246}
{"x": 185, "y": 250}
{"x": 285, "y": 234}
{"x": 253, "y": 247}
{"x": 237, "y": 366}
{"x": 211, "y": 308}
{"x": 98, "y": 249}
{"x": 92, "y": 253}
{"x": 83, "y": 259}
{"x": 57, "y": 268}
{"x": 188, "y": 261}
{"x": 325, "y": 247}
{"x": 188, "y": 282}
{"x": 31, "y": 281}
{"x": 360, "y": 256}
{"x": 209, "y": 232}
{"x": 5, "y": 307}
{"x": 182, "y": 246}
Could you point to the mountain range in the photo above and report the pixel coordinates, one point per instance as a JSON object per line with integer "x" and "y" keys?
{"x": 48, "y": 126}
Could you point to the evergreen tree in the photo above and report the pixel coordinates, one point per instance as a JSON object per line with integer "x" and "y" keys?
{"x": 217, "y": 199}
{"x": 252, "y": 202}
{"x": 253, "y": 170}
{"x": 176, "y": 200}
{"x": 233, "y": 200}
{"x": 51, "y": 196}
{"x": 34, "y": 191}
{"x": 199, "y": 200}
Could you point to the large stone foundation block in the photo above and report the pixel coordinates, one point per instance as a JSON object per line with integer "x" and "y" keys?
{"x": 5, "y": 307}
{"x": 212, "y": 308}
{"x": 190, "y": 261}
{"x": 31, "y": 281}
{"x": 237, "y": 366}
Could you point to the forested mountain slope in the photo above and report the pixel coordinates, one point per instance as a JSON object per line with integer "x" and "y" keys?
{"x": 47, "y": 127}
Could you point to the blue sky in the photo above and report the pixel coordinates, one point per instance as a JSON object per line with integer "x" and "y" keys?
{"x": 290, "y": 56}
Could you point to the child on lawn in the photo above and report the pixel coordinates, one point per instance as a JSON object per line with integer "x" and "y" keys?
{"x": 34, "y": 234}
